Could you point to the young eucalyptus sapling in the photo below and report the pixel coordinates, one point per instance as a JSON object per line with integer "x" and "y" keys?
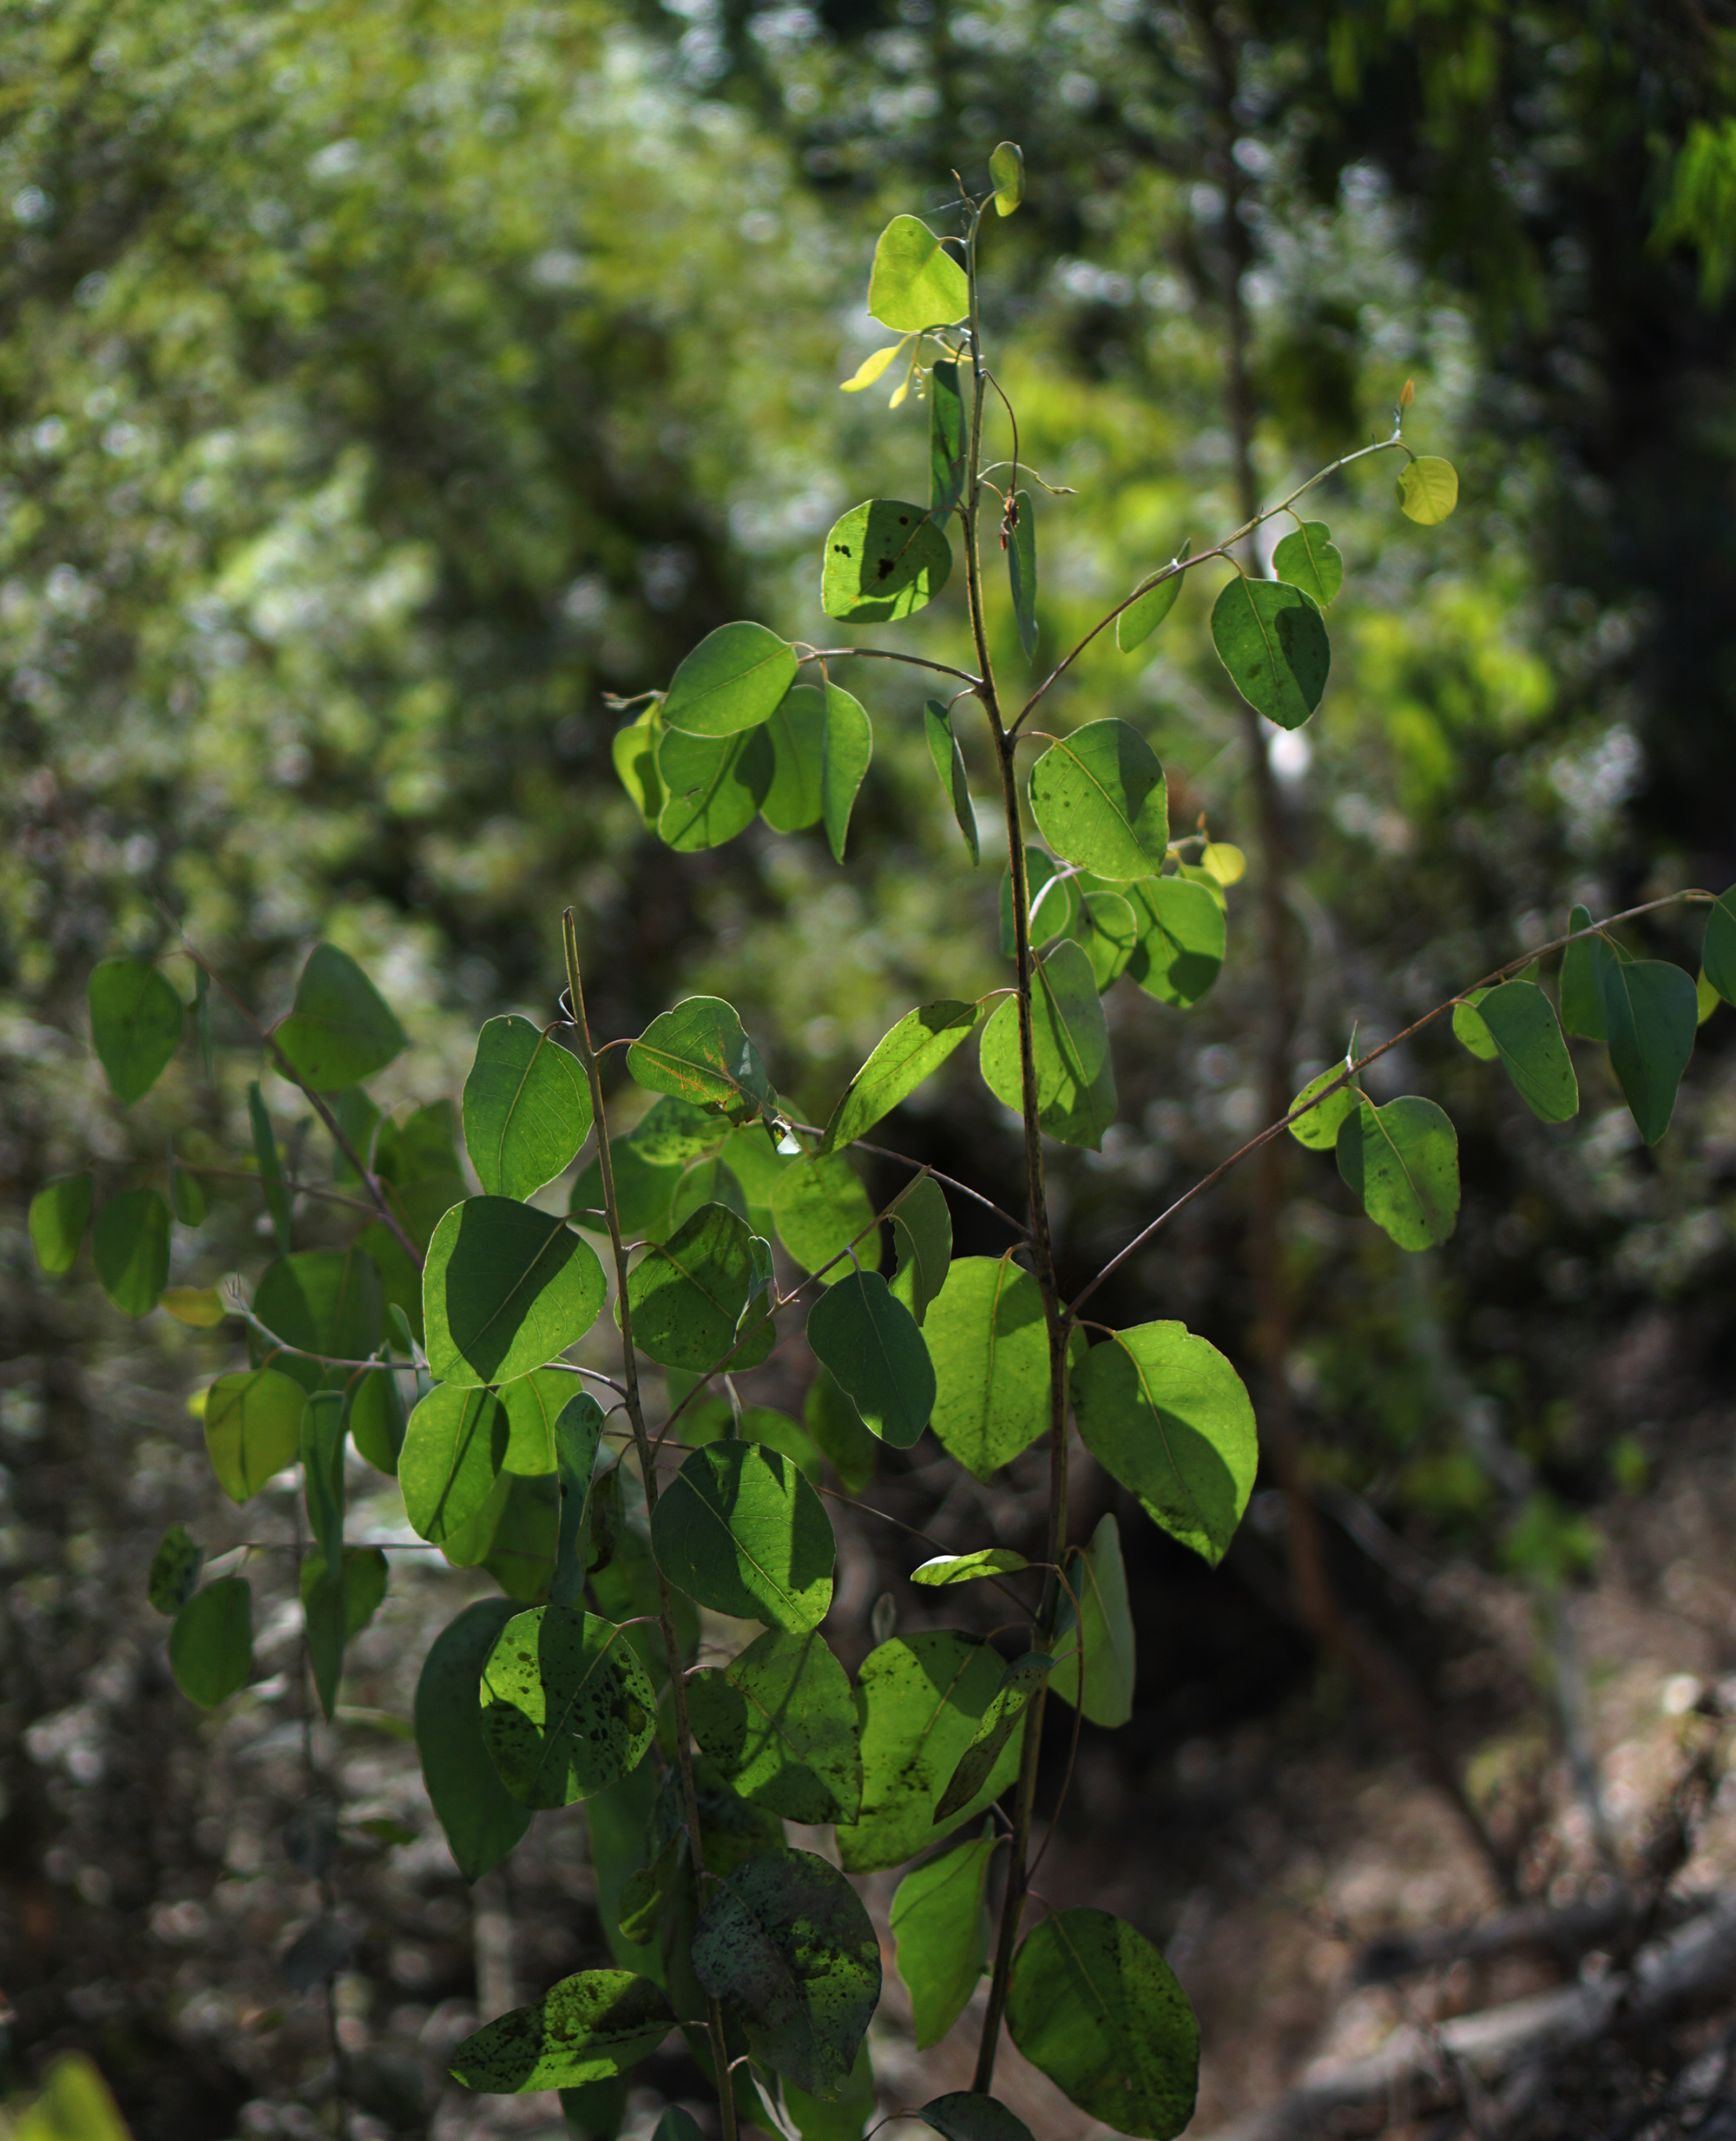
{"x": 434, "y": 1328}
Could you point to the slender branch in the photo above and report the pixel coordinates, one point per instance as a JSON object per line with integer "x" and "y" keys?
{"x": 923, "y": 1166}
{"x": 1353, "y": 1069}
{"x": 838, "y": 1494}
{"x": 890, "y": 654}
{"x": 635, "y": 1414}
{"x": 1221, "y": 549}
{"x": 295, "y": 1188}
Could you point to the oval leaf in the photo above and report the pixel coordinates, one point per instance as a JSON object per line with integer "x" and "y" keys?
{"x": 873, "y": 1347}
{"x": 849, "y": 751}
{"x": 1136, "y": 623}
{"x": 527, "y": 1109}
{"x": 129, "y": 1246}
{"x": 988, "y": 1339}
{"x": 912, "y": 1051}
{"x": 1403, "y": 1162}
{"x": 922, "y": 1241}
{"x": 966, "y": 1568}
{"x": 1020, "y": 547}
{"x": 59, "y": 1215}
{"x": 1099, "y": 800}
{"x": 211, "y": 1643}
{"x": 739, "y": 1530}
{"x": 454, "y": 1450}
{"x": 949, "y": 769}
{"x": 1308, "y": 559}
{"x": 1076, "y": 1080}
{"x": 633, "y": 751}
{"x": 136, "y": 1022}
{"x": 252, "y": 1429}
{"x": 712, "y": 787}
{"x": 1521, "y": 1022}
{"x": 1007, "y": 176}
{"x": 1105, "y": 1634}
{"x": 940, "y": 1925}
{"x": 964, "y": 2116}
{"x": 1165, "y": 1413}
{"x": 340, "y": 1029}
{"x": 779, "y": 1722}
{"x": 583, "y": 2030}
{"x": 1719, "y": 954}
{"x": 1271, "y": 639}
{"x": 1651, "y": 1011}
{"x": 1019, "y": 1686}
{"x": 733, "y": 679}
{"x": 698, "y": 1052}
{"x": 883, "y": 559}
{"x": 820, "y": 1208}
{"x": 565, "y": 1705}
{"x": 688, "y": 1296}
{"x": 787, "y": 1943}
{"x": 174, "y": 1569}
{"x": 915, "y": 282}
{"x": 504, "y": 1289}
{"x": 1319, "y": 1129}
{"x": 1181, "y": 938}
{"x": 482, "y": 1819}
{"x": 797, "y": 734}
{"x": 1094, "y": 2005}
{"x": 1106, "y": 932}
{"x": 1428, "y": 490}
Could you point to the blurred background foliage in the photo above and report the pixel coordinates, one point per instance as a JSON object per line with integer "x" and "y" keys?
{"x": 382, "y": 385}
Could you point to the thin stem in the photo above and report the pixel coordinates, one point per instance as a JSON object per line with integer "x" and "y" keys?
{"x": 295, "y": 1188}
{"x": 923, "y": 1166}
{"x": 635, "y": 1414}
{"x": 1353, "y": 1069}
{"x": 889, "y": 653}
{"x": 838, "y": 1494}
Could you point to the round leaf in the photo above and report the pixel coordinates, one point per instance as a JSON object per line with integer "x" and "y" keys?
{"x": 340, "y": 1029}
{"x": 1521, "y": 1022}
{"x": 1007, "y": 176}
{"x": 713, "y": 786}
{"x": 527, "y": 1109}
{"x": 59, "y": 1215}
{"x": 377, "y": 1419}
{"x": 940, "y": 1926}
{"x": 136, "y": 1022}
{"x": 328, "y": 1302}
{"x": 1428, "y": 490}
{"x": 634, "y": 753}
{"x": 873, "y": 1347}
{"x": 698, "y": 1052}
{"x": 174, "y": 1569}
{"x": 1181, "y": 938}
{"x": 211, "y": 1644}
{"x": 252, "y": 1429}
{"x": 1308, "y": 559}
{"x": 739, "y": 1530}
{"x": 1076, "y": 1080}
{"x": 964, "y": 2116}
{"x": 1165, "y": 1413}
{"x": 565, "y": 1705}
{"x": 454, "y": 1450}
{"x": 797, "y": 730}
{"x": 787, "y": 1943}
{"x": 582, "y": 2030}
{"x": 1094, "y": 2005}
{"x": 1099, "y": 800}
{"x": 1108, "y": 932}
{"x": 1403, "y": 1162}
{"x": 1319, "y": 1129}
{"x": 915, "y": 282}
{"x": 779, "y": 1722}
{"x": 819, "y": 1208}
{"x": 988, "y": 1338}
{"x": 1271, "y": 639}
{"x": 482, "y": 1819}
{"x": 504, "y": 1289}
{"x": 733, "y": 679}
{"x": 129, "y": 1245}
{"x": 688, "y": 1294}
{"x": 883, "y": 559}
{"x": 912, "y": 1051}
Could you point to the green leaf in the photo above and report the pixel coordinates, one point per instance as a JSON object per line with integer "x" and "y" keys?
{"x": 715, "y": 1420}
{"x": 1105, "y": 1635}
{"x": 733, "y": 679}
{"x": 945, "y": 437}
{"x": 1652, "y": 1012}
{"x": 921, "y": 1698}
{"x": 527, "y": 1109}
{"x": 174, "y": 1569}
{"x": 504, "y": 1289}
{"x": 914, "y": 282}
{"x": 1165, "y": 1413}
{"x": 1076, "y": 1080}
{"x": 710, "y": 1181}
{"x": 836, "y": 1427}
{"x": 136, "y": 1022}
{"x": 1019, "y": 1685}
{"x": 1308, "y": 559}
{"x": 840, "y": 2118}
{"x": 940, "y": 1924}
{"x": 786, "y": 1942}
{"x": 1022, "y": 570}
{"x": 870, "y": 1342}
{"x": 323, "y": 1301}
{"x": 187, "y": 1198}
{"x": 1151, "y": 605}
{"x": 129, "y": 1245}
{"x": 453, "y": 1449}
{"x": 200, "y": 1307}
{"x": 1271, "y": 639}
{"x": 966, "y": 1568}
{"x": 1521, "y": 1022}
{"x": 1469, "y": 1030}
{"x": 59, "y": 1215}
{"x": 739, "y": 1530}
{"x": 689, "y": 1296}
{"x": 871, "y": 367}
{"x": 339, "y": 1030}
{"x": 910, "y": 1053}
{"x": 713, "y": 786}
{"x": 201, "y": 1020}
{"x": 211, "y": 1641}
{"x": 1007, "y": 176}
{"x": 1319, "y": 1129}
{"x": 1428, "y": 490}
{"x": 988, "y": 1338}
{"x": 849, "y": 751}
{"x": 1097, "y": 2009}
{"x": 650, "y": 1892}
{"x": 272, "y": 1187}
{"x": 949, "y": 769}
{"x": 884, "y": 559}
{"x": 1055, "y": 896}
{"x": 533, "y": 1403}
{"x": 964, "y": 2116}
{"x": 333, "y": 1613}
{"x": 322, "y": 1474}
{"x": 1719, "y": 954}
{"x": 1099, "y": 800}
{"x": 470, "y": 1543}
{"x": 521, "y": 1553}
{"x": 252, "y": 1429}
{"x": 1402, "y": 1161}
{"x": 1707, "y": 999}
{"x": 583, "y": 2030}
{"x": 482, "y": 1819}
{"x": 1581, "y": 982}
{"x": 733, "y": 1831}
{"x": 698, "y": 1052}
{"x": 779, "y": 1722}
{"x": 578, "y": 1431}
{"x": 797, "y": 728}
{"x": 819, "y": 1208}
{"x": 922, "y": 1243}
{"x": 377, "y": 1419}
{"x": 634, "y": 751}
{"x": 1107, "y": 934}
{"x": 1181, "y": 938}
{"x": 565, "y": 1705}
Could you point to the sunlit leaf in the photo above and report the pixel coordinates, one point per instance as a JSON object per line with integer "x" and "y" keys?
{"x": 1319, "y": 1129}
{"x": 527, "y": 1107}
{"x": 1136, "y": 623}
{"x": 884, "y": 559}
{"x": 698, "y": 1052}
{"x": 1403, "y": 1162}
{"x": 505, "y": 1288}
{"x": 59, "y": 1215}
{"x": 1271, "y": 639}
{"x": 912, "y": 1051}
{"x": 583, "y": 2030}
{"x": 713, "y": 786}
{"x": 454, "y": 1450}
{"x": 922, "y": 1244}
{"x": 797, "y": 729}
{"x": 252, "y": 1429}
{"x": 1007, "y": 176}
{"x": 948, "y": 767}
{"x": 988, "y": 1338}
{"x": 1181, "y": 938}
{"x": 848, "y": 752}
{"x": 739, "y": 1530}
{"x": 1076, "y": 1080}
{"x": 687, "y": 1296}
{"x": 946, "y": 438}
{"x": 1308, "y": 559}
{"x": 779, "y": 1722}
{"x": 1099, "y": 800}
{"x": 1105, "y": 1633}
{"x": 914, "y": 282}
{"x": 1428, "y": 490}
{"x": 871, "y": 367}
{"x": 633, "y": 751}
{"x": 820, "y": 1208}
{"x": 940, "y": 1924}
{"x": 994, "y": 1728}
{"x": 1022, "y": 570}
{"x": 566, "y": 1706}
{"x": 733, "y": 679}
